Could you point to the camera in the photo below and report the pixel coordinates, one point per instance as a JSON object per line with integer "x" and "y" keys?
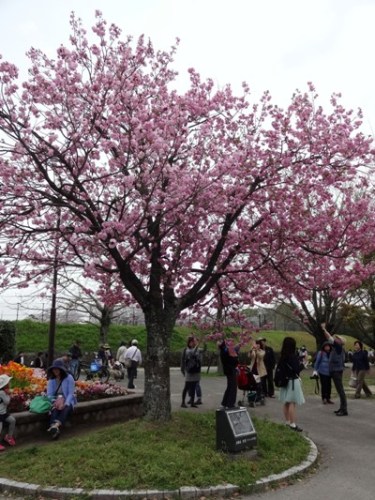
{"x": 314, "y": 377}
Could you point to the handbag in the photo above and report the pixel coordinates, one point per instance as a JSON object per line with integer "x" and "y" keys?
{"x": 40, "y": 404}
{"x": 353, "y": 382}
{"x": 130, "y": 362}
{"x": 59, "y": 403}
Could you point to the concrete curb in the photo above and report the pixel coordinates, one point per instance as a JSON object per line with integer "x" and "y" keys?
{"x": 9, "y": 486}
{"x": 312, "y": 457}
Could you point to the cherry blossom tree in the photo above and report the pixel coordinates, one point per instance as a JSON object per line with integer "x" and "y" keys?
{"x": 82, "y": 296}
{"x": 173, "y": 193}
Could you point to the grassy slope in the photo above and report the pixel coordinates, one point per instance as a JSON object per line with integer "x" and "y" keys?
{"x": 32, "y": 336}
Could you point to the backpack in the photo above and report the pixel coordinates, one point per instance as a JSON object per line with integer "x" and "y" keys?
{"x": 192, "y": 362}
{"x": 281, "y": 375}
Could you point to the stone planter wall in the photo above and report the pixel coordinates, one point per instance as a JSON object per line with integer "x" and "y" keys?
{"x": 109, "y": 410}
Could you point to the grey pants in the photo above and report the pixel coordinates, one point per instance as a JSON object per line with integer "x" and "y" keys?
{"x": 11, "y": 421}
{"x": 361, "y": 384}
{"x": 337, "y": 380}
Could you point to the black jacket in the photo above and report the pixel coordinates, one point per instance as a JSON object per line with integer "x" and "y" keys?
{"x": 229, "y": 362}
{"x": 269, "y": 359}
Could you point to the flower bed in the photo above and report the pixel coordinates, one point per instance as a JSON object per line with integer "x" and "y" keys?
{"x": 28, "y": 382}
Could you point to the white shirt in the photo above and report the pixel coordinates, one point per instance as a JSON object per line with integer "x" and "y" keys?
{"x": 121, "y": 351}
{"x": 134, "y": 353}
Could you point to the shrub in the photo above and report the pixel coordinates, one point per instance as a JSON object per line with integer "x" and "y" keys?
{"x": 7, "y": 341}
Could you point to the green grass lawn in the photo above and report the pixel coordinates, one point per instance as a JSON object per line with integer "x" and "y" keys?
{"x": 142, "y": 455}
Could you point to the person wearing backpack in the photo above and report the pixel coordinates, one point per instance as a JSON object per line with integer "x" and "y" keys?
{"x": 291, "y": 394}
{"x": 191, "y": 363}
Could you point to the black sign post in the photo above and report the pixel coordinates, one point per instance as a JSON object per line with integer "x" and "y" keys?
{"x": 234, "y": 430}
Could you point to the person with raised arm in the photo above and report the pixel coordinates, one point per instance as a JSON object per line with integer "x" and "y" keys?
{"x": 336, "y": 368}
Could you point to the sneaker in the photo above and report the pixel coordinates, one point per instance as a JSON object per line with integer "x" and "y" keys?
{"x": 295, "y": 428}
{"x": 198, "y": 402}
{"x": 330, "y": 402}
{"x": 55, "y": 432}
{"x": 10, "y": 440}
{"x": 2, "y": 448}
{"x": 193, "y": 405}
{"x": 52, "y": 426}
{"x": 183, "y": 405}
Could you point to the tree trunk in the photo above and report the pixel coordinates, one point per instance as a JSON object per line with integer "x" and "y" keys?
{"x": 157, "y": 394}
{"x": 105, "y": 323}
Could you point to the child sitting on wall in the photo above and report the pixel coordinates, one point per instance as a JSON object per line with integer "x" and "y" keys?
{"x": 4, "y": 415}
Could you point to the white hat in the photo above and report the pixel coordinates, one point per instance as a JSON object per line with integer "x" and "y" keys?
{"x": 134, "y": 342}
{"x": 4, "y": 380}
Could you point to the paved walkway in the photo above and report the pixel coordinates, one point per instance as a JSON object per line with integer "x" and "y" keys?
{"x": 346, "y": 444}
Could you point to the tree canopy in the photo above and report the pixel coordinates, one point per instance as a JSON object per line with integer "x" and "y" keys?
{"x": 175, "y": 195}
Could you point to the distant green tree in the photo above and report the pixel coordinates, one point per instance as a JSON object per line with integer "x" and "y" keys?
{"x": 7, "y": 341}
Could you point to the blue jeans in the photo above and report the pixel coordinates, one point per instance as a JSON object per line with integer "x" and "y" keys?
{"x": 189, "y": 388}
{"x": 198, "y": 390}
{"x": 74, "y": 366}
{"x": 61, "y": 415}
{"x": 10, "y": 420}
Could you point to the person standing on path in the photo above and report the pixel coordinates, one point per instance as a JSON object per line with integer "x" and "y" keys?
{"x": 229, "y": 360}
{"x": 291, "y": 395}
{"x": 321, "y": 366}
{"x": 336, "y": 368}
{"x": 76, "y": 355}
{"x": 133, "y": 358}
{"x": 360, "y": 368}
{"x": 191, "y": 364}
{"x": 121, "y": 351}
{"x": 269, "y": 363}
{"x": 257, "y": 366}
{"x": 120, "y": 357}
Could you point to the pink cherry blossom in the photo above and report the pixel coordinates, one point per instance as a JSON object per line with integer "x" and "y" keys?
{"x": 193, "y": 201}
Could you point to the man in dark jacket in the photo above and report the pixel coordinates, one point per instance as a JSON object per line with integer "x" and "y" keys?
{"x": 229, "y": 360}
{"x": 336, "y": 366}
{"x": 269, "y": 363}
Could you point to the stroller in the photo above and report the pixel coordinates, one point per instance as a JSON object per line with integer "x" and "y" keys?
{"x": 250, "y": 384}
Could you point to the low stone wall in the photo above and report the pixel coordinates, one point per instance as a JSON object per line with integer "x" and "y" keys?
{"x": 100, "y": 411}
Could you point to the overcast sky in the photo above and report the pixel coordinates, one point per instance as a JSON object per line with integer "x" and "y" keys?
{"x": 275, "y": 45}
